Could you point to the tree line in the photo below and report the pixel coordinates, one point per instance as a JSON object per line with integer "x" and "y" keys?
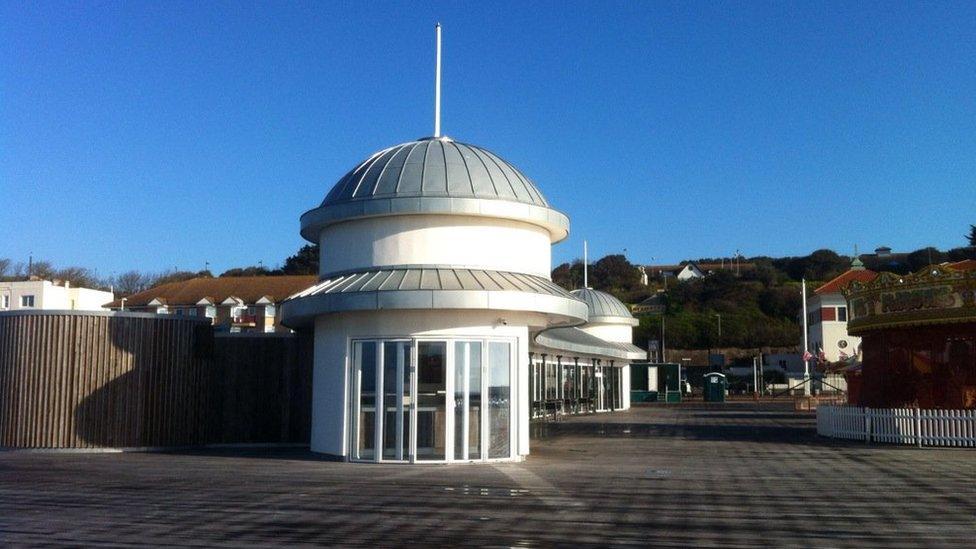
{"x": 763, "y": 292}
{"x": 758, "y": 307}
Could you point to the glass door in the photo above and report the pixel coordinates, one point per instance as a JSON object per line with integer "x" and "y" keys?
{"x": 396, "y": 400}
{"x": 600, "y": 388}
{"x": 431, "y": 401}
{"x": 417, "y": 400}
{"x": 468, "y": 366}
{"x": 364, "y": 387}
{"x": 500, "y": 432}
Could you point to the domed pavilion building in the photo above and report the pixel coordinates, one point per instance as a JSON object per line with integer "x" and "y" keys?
{"x": 438, "y": 330}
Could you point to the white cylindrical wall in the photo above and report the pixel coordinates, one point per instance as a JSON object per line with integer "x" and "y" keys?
{"x": 330, "y": 377}
{"x": 462, "y": 241}
{"x": 618, "y": 333}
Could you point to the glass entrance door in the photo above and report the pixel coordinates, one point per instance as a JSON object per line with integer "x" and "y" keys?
{"x": 364, "y": 383}
{"x": 420, "y": 400}
{"x": 431, "y": 400}
{"x": 468, "y": 367}
{"x": 500, "y": 431}
{"x": 397, "y": 399}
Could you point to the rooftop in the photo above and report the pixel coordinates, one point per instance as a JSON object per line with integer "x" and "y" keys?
{"x": 247, "y": 288}
{"x": 434, "y": 176}
{"x": 603, "y": 307}
{"x": 435, "y": 167}
{"x": 841, "y": 281}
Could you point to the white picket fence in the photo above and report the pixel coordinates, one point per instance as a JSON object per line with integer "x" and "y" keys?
{"x": 898, "y": 425}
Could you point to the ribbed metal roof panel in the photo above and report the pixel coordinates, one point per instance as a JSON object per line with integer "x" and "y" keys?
{"x": 383, "y": 279}
{"x": 435, "y": 167}
{"x": 602, "y": 304}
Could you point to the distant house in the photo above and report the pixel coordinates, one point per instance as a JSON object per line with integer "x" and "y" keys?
{"x": 653, "y": 305}
{"x": 234, "y": 304}
{"x": 827, "y": 315}
{"x": 47, "y": 294}
{"x": 689, "y": 272}
{"x": 883, "y": 259}
{"x": 693, "y": 270}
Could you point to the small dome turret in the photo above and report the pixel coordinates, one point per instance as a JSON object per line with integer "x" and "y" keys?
{"x": 604, "y": 308}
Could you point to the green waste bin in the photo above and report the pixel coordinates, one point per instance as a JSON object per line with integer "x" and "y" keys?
{"x": 714, "y": 387}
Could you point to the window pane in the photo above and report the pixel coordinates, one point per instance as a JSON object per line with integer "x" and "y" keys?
{"x": 431, "y": 393}
{"x": 499, "y": 400}
{"x": 467, "y": 399}
{"x": 407, "y": 399}
{"x": 474, "y": 403}
{"x": 392, "y": 422}
{"x": 460, "y": 376}
{"x": 367, "y": 399}
{"x": 569, "y": 386}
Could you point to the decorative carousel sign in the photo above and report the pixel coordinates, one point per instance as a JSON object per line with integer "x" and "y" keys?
{"x": 935, "y": 295}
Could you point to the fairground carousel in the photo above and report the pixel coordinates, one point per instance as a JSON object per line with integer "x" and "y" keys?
{"x": 919, "y": 338}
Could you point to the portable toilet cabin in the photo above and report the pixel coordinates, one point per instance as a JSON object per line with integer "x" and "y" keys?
{"x": 714, "y": 386}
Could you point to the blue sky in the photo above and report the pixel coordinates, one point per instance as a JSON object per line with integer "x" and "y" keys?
{"x": 160, "y": 135}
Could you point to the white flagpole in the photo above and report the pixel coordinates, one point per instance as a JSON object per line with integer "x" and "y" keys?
{"x": 586, "y": 279}
{"x": 437, "y": 85}
{"x": 806, "y": 344}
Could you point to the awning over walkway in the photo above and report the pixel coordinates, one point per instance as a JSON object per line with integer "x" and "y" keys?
{"x": 574, "y": 340}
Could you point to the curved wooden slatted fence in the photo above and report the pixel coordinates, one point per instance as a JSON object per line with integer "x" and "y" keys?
{"x": 72, "y": 379}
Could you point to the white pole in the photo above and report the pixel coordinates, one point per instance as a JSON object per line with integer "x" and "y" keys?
{"x": 806, "y": 344}
{"x": 755, "y": 377}
{"x": 437, "y": 85}
{"x": 586, "y": 279}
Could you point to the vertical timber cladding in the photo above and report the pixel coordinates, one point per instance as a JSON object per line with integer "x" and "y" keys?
{"x": 266, "y": 387}
{"x": 90, "y": 379}
{"x": 72, "y": 379}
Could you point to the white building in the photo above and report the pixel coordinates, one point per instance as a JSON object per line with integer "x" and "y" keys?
{"x": 827, "y": 315}
{"x": 435, "y": 307}
{"x": 44, "y": 294}
{"x": 232, "y": 303}
{"x": 689, "y": 271}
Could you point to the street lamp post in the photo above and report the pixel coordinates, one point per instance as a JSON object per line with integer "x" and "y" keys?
{"x": 718, "y": 344}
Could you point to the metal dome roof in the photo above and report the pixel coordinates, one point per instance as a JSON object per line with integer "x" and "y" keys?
{"x": 435, "y": 167}
{"x": 435, "y": 175}
{"x": 604, "y": 308}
